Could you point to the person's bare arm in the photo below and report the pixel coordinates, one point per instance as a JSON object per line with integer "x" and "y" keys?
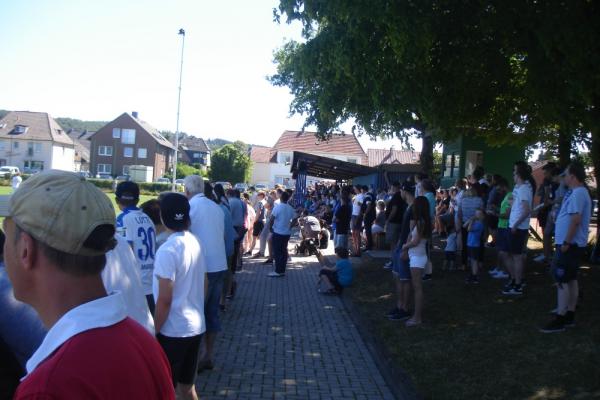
{"x": 163, "y": 303}
{"x": 573, "y": 225}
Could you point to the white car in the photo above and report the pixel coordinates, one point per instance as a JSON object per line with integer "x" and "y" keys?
{"x": 261, "y": 186}
{"x": 10, "y": 170}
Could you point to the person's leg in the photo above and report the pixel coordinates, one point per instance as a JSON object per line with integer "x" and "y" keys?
{"x": 417, "y": 284}
{"x": 187, "y": 391}
{"x": 369, "y": 234}
{"x": 270, "y": 246}
{"x": 151, "y": 305}
{"x": 211, "y": 312}
{"x": 465, "y": 252}
{"x": 573, "y": 288}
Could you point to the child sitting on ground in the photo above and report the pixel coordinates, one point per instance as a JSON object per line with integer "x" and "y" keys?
{"x": 337, "y": 277}
{"x": 475, "y": 236}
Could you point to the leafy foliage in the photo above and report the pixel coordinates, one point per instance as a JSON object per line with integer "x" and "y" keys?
{"x": 79, "y": 125}
{"x": 184, "y": 170}
{"x": 230, "y": 163}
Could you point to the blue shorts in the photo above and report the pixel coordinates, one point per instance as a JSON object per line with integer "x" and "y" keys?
{"x": 400, "y": 267}
{"x": 502, "y": 239}
{"x": 566, "y": 265}
{"x": 212, "y": 300}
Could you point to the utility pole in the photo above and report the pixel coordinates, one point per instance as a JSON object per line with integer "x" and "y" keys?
{"x": 182, "y": 33}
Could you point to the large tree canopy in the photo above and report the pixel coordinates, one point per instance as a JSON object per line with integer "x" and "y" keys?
{"x": 508, "y": 70}
{"x": 230, "y": 163}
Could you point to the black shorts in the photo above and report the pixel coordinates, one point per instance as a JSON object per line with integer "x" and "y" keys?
{"x": 183, "y": 357}
{"x": 257, "y": 228}
{"x": 474, "y": 253}
{"x": 518, "y": 241}
{"x": 566, "y": 265}
{"x": 492, "y": 221}
{"x": 333, "y": 278}
{"x": 503, "y": 239}
{"x": 356, "y": 223}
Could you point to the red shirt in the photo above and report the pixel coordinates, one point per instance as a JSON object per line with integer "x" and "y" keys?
{"x": 122, "y": 361}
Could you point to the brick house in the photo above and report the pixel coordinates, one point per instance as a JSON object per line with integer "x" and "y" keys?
{"x": 127, "y": 141}
{"x": 34, "y": 141}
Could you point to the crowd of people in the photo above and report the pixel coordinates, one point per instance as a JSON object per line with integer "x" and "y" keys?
{"x": 141, "y": 294}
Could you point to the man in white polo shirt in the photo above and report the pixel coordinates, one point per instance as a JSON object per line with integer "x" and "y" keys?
{"x": 58, "y": 229}
{"x": 208, "y": 225}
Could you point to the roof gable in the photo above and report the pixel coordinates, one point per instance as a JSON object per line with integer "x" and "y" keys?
{"x": 391, "y": 156}
{"x": 38, "y": 126}
{"x": 260, "y": 154}
{"x": 146, "y": 127}
{"x": 307, "y": 142}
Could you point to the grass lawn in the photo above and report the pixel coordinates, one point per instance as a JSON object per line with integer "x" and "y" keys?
{"x": 111, "y": 196}
{"x": 477, "y": 344}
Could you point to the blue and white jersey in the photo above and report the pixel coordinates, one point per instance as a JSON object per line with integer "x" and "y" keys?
{"x": 140, "y": 233}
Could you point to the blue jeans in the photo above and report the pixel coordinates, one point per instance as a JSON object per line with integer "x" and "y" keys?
{"x": 280, "y": 251}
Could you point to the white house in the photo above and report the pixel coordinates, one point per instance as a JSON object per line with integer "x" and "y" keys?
{"x": 277, "y": 169}
{"x": 33, "y": 141}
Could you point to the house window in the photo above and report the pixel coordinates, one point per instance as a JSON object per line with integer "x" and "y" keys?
{"x": 285, "y": 158}
{"x": 128, "y": 136}
{"x": 104, "y": 168}
{"x": 448, "y": 166}
{"x": 116, "y": 133}
{"x": 125, "y": 169}
{"x": 353, "y": 160}
{"x": 37, "y": 148}
{"x": 2, "y": 145}
{"x": 196, "y": 155}
{"x": 455, "y": 165}
{"x": 128, "y": 152}
{"x": 20, "y": 129}
{"x": 105, "y": 150}
{"x": 33, "y": 166}
{"x": 142, "y": 152}
{"x": 15, "y": 145}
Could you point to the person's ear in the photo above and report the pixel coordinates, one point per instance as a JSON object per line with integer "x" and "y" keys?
{"x": 27, "y": 251}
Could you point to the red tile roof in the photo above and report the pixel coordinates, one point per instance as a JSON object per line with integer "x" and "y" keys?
{"x": 260, "y": 154}
{"x": 307, "y": 142}
{"x": 391, "y": 156}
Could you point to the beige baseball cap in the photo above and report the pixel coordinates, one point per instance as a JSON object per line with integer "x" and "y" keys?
{"x": 60, "y": 209}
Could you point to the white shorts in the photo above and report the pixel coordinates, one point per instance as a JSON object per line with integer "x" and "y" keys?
{"x": 418, "y": 261}
{"x": 377, "y": 229}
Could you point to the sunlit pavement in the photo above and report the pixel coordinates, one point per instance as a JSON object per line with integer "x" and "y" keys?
{"x": 283, "y": 340}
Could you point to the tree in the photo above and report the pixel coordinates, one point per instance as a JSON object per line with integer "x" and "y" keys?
{"x": 230, "y": 164}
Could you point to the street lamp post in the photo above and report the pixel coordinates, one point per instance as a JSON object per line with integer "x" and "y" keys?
{"x": 182, "y": 33}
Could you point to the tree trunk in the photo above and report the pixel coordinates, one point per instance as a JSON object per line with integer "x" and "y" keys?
{"x": 427, "y": 154}
{"x": 595, "y": 155}
{"x": 564, "y": 147}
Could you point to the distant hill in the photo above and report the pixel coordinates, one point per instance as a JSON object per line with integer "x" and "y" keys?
{"x": 79, "y": 125}
{"x": 214, "y": 144}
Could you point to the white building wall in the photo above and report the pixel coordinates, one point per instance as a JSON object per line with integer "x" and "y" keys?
{"x": 261, "y": 173}
{"x": 16, "y": 152}
{"x": 63, "y": 158}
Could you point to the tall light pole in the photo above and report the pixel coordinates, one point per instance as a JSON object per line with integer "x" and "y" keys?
{"x": 182, "y": 33}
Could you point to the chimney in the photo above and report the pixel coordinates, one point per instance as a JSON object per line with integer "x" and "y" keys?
{"x": 134, "y": 114}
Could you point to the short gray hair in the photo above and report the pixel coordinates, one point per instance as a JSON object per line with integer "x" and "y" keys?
{"x": 193, "y": 184}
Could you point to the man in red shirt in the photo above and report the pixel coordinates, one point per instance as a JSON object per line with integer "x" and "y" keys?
{"x": 58, "y": 230}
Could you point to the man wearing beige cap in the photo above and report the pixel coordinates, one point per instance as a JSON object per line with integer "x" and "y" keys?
{"x": 58, "y": 230}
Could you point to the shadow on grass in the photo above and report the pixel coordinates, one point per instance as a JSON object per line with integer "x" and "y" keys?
{"x": 477, "y": 344}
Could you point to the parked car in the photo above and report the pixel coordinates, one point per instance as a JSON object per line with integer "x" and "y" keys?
{"x": 179, "y": 182}
{"x": 242, "y": 187}
{"x": 122, "y": 178}
{"x": 261, "y": 186}
{"x": 226, "y": 185}
{"x": 7, "y": 171}
{"x": 84, "y": 174}
{"x": 104, "y": 176}
{"x": 163, "y": 180}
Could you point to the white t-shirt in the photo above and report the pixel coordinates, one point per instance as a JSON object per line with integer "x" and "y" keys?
{"x": 521, "y": 193}
{"x": 180, "y": 260}
{"x": 357, "y": 203}
{"x": 208, "y": 225}
{"x": 122, "y": 275}
{"x": 139, "y": 232}
{"x": 16, "y": 182}
{"x": 283, "y": 214}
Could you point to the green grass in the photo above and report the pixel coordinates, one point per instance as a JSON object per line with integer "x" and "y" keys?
{"x": 477, "y": 344}
{"x": 143, "y": 198}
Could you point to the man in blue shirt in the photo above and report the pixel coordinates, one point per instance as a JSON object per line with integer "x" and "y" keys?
{"x": 571, "y": 238}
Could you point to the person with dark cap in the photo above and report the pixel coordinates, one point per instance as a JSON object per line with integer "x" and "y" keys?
{"x": 179, "y": 287}
{"x": 59, "y": 228}
{"x": 138, "y": 229}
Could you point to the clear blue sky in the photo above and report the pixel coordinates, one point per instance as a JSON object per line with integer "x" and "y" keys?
{"x": 96, "y": 59}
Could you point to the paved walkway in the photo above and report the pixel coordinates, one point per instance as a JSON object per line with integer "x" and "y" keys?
{"x": 283, "y": 340}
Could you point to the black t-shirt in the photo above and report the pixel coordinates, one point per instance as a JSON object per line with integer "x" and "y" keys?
{"x": 400, "y": 204}
{"x": 343, "y": 215}
{"x": 405, "y": 228}
{"x": 369, "y": 198}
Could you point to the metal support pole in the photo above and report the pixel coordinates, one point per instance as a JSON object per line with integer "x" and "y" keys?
{"x": 182, "y": 33}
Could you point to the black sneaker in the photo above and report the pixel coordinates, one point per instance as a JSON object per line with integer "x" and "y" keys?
{"x": 509, "y": 285}
{"x": 427, "y": 277}
{"x": 515, "y": 290}
{"x": 401, "y": 315}
{"x": 569, "y": 319}
{"x": 556, "y": 325}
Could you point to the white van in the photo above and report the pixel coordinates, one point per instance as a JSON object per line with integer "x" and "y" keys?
{"x": 8, "y": 170}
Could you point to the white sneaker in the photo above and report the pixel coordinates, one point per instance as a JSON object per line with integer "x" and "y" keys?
{"x": 540, "y": 258}
{"x": 387, "y": 265}
{"x": 494, "y": 271}
{"x": 500, "y": 275}
{"x": 274, "y": 274}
